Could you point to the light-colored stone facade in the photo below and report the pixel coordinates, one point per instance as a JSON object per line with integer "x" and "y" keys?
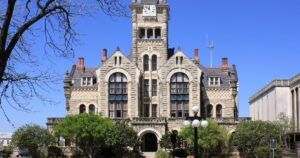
{"x": 151, "y": 113}
{"x": 280, "y": 96}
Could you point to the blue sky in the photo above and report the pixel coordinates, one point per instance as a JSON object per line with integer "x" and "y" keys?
{"x": 261, "y": 37}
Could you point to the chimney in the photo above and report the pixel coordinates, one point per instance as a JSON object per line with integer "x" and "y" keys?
{"x": 196, "y": 55}
{"x": 225, "y": 64}
{"x": 80, "y": 62}
{"x": 104, "y": 56}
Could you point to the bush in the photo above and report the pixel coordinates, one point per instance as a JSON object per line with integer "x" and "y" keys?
{"x": 55, "y": 152}
{"x": 180, "y": 153}
{"x": 252, "y": 138}
{"x": 162, "y": 154}
{"x": 212, "y": 140}
{"x": 6, "y": 152}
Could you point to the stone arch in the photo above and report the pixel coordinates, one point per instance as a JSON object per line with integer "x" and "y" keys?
{"x": 219, "y": 111}
{"x": 174, "y": 71}
{"x": 115, "y": 70}
{"x": 150, "y": 130}
{"x": 150, "y": 140}
{"x": 150, "y": 54}
{"x": 82, "y": 109}
{"x": 231, "y": 131}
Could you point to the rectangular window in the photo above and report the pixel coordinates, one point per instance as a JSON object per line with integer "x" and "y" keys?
{"x": 157, "y": 33}
{"x": 173, "y": 109}
{"x": 118, "y": 88}
{"x": 117, "y": 109}
{"x": 116, "y": 60}
{"x": 146, "y": 88}
{"x": 154, "y": 87}
{"x": 154, "y": 110}
{"x": 214, "y": 81}
{"x": 150, "y": 34}
{"x": 86, "y": 81}
{"x": 173, "y": 88}
{"x": 142, "y": 33}
{"x": 124, "y": 88}
{"x": 146, "y": 110}
{"x": 112, "y": 88}
{"x": 185, "y": 88}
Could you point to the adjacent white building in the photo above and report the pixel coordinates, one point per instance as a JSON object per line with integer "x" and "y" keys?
{"x": 280, "y": 96}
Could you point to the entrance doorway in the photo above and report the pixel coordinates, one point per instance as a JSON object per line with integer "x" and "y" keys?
{"x": 149, "y": 143}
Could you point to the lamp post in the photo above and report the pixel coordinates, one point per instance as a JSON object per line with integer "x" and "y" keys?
{"x": 195, "y": 123}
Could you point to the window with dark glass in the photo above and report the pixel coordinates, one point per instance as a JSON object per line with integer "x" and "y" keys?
{"x": 146, "y": 88}
{"x": 209, "y": 110}
{"x": 154, "y": 87}
{"x": 116, "y": 58}
{"x": 179, "y": 109}
{"x": 82, "y": 109}
{"x": 150, "y": 33}
{"x": 219, "y": 111}
{"x": 146, "y": 110}
{"x": 146, "y": 62}
{"x": 142, "y": 33}
{"x": 120, "y": 60}
{"x": 92, "y": 109}
{"x": 118, "y": 96}
{"x": 154, "y": 63}
{"x": 179, "y": 90}
{"x": 157, "y": 33}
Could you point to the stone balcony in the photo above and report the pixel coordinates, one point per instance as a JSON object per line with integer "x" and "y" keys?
{"x": 164, "y": 120}
{"x": 148, "y": 120}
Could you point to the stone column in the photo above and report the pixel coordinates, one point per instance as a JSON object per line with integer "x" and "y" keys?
{"x": 150, "y": 85}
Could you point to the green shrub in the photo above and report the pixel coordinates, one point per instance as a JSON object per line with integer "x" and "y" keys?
{"x": 180, "y": 153}
{"x": 162, "y": 154}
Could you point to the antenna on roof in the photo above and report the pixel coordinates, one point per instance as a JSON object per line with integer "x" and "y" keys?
{"x": 210, "y": 46}
{"x": 73, "y": 56}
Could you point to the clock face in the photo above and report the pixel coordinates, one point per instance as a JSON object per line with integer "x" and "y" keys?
{"x": 149, "y": 10}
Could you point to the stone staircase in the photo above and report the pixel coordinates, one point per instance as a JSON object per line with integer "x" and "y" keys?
{"x": 149, "y": 154}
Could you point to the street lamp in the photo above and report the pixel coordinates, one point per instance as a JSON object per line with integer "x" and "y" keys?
{"x": 195, "y": 123}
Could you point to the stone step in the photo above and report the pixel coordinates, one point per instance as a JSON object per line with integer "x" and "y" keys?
{"x": 149, "y": 154}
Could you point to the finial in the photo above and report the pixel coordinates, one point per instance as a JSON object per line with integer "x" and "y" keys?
{"x": 179, "y": 49}
{"x": 67, "y": 73}
{"x": 118, "y": 48}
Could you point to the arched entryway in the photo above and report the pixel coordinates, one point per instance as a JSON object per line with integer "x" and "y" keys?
{"x": 149, "y": 142}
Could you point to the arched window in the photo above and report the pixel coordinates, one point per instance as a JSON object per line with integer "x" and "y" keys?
{"x": 82, "y": 109}
{"x": 146, "y": 62}
{"x": 118, "y": 96}
{"x": 209, "y": 109}
{"x": 154, "y": 63}
{"x": 179, "y": 90}
{"x": 219, "y": 111}
{"x": 92, "y": 109}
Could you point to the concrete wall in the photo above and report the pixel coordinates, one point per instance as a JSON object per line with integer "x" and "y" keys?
{"x": 268, "y": 106}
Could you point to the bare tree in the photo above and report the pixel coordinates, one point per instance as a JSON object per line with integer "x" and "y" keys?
{"x": 22, "y": 22}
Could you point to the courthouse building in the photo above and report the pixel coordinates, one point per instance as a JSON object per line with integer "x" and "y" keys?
{"x": 279, "y": 96}
{"x": 156, "y": 86}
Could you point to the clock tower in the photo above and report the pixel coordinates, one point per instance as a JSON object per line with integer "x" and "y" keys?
{"x": 149, "y": 31}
